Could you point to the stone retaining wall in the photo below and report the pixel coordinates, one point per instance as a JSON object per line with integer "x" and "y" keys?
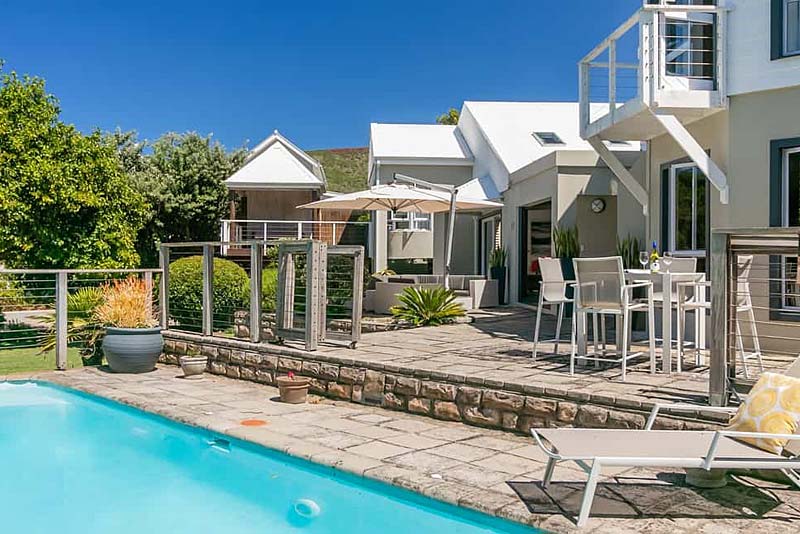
{"x": 471, "y": 400}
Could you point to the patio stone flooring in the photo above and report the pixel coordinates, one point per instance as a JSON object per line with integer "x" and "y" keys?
{"x": 497, "y": 347}
{"x": 492, "y": 471}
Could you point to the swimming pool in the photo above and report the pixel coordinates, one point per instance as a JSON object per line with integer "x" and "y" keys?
{"x": 71, "y": 462}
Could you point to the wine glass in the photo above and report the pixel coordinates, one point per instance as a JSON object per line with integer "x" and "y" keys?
{"x": 666, "y": 259}
{"x": 644, "y": 258}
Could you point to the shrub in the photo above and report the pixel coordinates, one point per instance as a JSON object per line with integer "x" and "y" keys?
{"x": 231, "y": 291}
{"x": 427, "y": 307}
{"x": 126, "y": 304}
{"x": 269, "y": 289}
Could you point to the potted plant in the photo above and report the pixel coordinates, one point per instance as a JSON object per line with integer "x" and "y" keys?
{"x": 132, "y": 341}
{"x": 193, "y": 365}
{"x": 497, "y": 270}
{"x": 566, "y": 246}
{"x": 293, "y": 389}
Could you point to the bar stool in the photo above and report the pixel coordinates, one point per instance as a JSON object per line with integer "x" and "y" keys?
{"x": 553, "y": 293}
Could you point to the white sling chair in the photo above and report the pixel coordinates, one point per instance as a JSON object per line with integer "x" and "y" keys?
{"x": 600, "y": 289}
{"x": 553, "y": 293}
{"x": 593, "y": 449}
{"x": 687, "y": 301}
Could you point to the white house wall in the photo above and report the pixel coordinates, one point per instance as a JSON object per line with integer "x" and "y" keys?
{"x": 750, "y": 67}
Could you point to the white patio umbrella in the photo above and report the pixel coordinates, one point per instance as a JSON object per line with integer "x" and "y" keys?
{"x": 408, "y": 198}
{"x": 399, "y": 197}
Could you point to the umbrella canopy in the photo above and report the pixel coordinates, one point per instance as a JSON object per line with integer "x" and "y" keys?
{"x": 402, "y": 198}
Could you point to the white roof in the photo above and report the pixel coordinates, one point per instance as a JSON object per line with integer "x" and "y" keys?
{"x": 509, "y": 126}
{"x": 276, "y": 163}
{"x": 407, "y": 141}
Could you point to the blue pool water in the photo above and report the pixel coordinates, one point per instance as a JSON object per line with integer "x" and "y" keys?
{"x": 74, "y": 463}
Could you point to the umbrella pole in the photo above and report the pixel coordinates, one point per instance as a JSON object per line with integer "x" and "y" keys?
{"x": 451, "y": 224}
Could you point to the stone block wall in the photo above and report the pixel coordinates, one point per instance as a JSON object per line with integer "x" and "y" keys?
{"x": 511, "y": 407}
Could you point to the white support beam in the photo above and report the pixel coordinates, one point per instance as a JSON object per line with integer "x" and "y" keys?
{"x": 695, "y": 152}
{"x": 619, "y": 169}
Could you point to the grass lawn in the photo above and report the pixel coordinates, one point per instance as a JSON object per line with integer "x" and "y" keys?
{"x": 27, "y": 360}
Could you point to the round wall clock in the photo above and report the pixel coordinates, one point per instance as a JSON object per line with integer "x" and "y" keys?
{"x": 598, "y": 205}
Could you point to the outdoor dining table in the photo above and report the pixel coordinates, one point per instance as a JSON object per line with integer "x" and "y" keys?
{"x": 668, "y": 280}
{"x": 669, "y": 283}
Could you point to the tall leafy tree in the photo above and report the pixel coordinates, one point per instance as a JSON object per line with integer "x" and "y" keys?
{"x": 64, "y": 198}
{"x": 451, "y": 117}
{"x": 182, "y": 179}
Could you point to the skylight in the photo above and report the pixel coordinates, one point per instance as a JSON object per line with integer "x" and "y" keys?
{"x": 548, "y": 138}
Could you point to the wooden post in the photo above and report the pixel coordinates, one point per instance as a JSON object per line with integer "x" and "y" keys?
{"x": 720, "y": 320}
{"x": 313, "y": 252}
{"x": 256, "y": 258}
{"x": 358, "y": 297}
{"x": 148, "y": 283}
{"x": 208, "y": 290}
{"x": 61, "y": 320}
{"x": 163, "y": 292}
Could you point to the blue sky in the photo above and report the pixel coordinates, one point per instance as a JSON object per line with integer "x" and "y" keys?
{"x": 319, "y": 71}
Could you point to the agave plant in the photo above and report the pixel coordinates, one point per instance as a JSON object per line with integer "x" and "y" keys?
{"x": 427, "y": 307}
{"x": 628, "y": 249}
{"x": 566, "y": 242}
{"x": 498, "y": 257}
{"x": 83, "y": 329}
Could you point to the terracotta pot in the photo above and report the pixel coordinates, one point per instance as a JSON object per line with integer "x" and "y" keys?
{"x": 293, "y": 390}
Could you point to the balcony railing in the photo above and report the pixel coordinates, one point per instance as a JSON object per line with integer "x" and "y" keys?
{"x": 330, "y": 232}
{"x": 665, "y": 55}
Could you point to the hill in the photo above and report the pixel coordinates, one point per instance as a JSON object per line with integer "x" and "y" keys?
{"x": 345, "y": 168}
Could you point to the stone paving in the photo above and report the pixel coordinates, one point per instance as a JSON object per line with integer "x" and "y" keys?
{"x": 492, "y": 471}
{"x": 497, "y": 346}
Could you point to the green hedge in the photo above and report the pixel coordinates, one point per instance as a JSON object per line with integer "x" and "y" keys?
{"x": 231, "y": 291}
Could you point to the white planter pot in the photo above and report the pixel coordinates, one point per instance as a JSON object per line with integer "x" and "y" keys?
{"x": 193, "y": 366}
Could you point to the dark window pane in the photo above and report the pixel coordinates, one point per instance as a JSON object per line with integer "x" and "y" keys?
{"x": 683, "y": 209}
{"x": 700, "y": 212}
{"x": 794, "y": 189}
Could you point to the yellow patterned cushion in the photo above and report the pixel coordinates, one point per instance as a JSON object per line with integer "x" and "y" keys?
{"x": 773, "y": 406}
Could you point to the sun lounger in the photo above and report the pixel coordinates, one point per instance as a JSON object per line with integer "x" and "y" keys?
{"x": 593, "y": 449}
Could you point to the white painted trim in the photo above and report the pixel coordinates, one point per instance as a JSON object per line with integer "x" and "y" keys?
{"x": 620, "y": 171}
{"x": 693, "y": 252}
{"x": 693, "y": 149}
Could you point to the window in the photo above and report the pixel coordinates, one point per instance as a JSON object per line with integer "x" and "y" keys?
{"x": 547, "y": 138}
{"x": 409, "y": 221}
{"x": 689, "y": 48}
{"x": 791, "y": 27}
{"x": 790, "y": 299}
{"x": 687, "y": 191}
{"x": 785, "y": 28}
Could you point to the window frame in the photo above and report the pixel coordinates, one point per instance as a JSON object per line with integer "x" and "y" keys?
{"x": 779, "y": 151}
{"x": 778, "y": 33}
{"x": 672, "y": 220}
{"x": 417, "y": 222}
{"x": 784, "y": 29}
{"x": 785, "y": 154}
{"x": 541, "y": 140}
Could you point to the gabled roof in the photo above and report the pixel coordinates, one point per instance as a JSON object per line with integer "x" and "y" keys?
{"x": 276, "y": 163}
{"x": 508, "y": 128}
{"x": 418, "y": 141}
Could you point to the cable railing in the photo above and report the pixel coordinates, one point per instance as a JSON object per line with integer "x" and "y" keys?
{"x": 47, "y": 316}
{"x": 270, "y": 291}
{"x": 329, "y": 232}
{"x": 755, "y": 297}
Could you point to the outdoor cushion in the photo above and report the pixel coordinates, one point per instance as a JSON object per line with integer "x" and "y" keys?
{"x": 773, "y": 406}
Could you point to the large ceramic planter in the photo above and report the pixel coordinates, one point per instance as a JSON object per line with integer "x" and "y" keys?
{"x": 293, "y": 390}
{"x": 193, "y": 366}
{"x": 499, "y": 274}
{"x": 132, "y": 350}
